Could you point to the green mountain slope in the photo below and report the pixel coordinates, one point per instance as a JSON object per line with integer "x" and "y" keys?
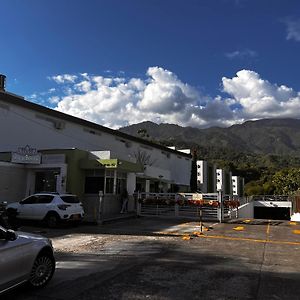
{"x": 269, "y": 136}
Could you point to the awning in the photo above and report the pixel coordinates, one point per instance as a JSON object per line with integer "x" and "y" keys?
{"x": 121, "y": 165}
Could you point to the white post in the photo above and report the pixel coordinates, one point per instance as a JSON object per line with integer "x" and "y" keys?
{"x": 220, "y": 208}
{"x": 115, "y": 182}
{"x": 100, "y": 212}
{"x": 139, "y": 204}
{"x": 147, "y": 188}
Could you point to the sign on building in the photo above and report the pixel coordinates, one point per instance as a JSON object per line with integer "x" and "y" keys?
{"x": 26, "y": 155}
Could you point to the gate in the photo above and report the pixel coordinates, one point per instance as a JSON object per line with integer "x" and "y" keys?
{"x": 211, "y": 207}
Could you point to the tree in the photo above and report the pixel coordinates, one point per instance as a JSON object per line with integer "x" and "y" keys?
{"x": 287, "y": 181}
{"x": 193, "y": 180}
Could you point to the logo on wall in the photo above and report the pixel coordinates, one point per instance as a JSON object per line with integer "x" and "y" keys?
{"x": 26, "y": 155}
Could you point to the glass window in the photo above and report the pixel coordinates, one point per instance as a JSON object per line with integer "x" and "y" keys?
{"x": 44, "y": 199}
{"x": 93, "y": 185}
{"x": 70, "y": 199}
{"x": 45, "y": 181}
{"x": 109, "y": 188}
{"x": 29, "y": 200}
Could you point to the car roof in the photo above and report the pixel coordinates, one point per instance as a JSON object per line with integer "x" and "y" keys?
{"x": 53, "y": 194}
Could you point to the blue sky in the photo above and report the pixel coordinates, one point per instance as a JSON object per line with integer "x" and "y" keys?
{"x": 194, "y": 62}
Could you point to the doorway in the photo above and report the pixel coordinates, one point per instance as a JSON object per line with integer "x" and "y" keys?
{"x": 45, "y": 181}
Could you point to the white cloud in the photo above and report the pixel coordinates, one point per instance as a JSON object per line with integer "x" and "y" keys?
{"x": 163, "y": 98}
{"x": 241, "y": 54}
{"x": 64, "y": 78}
{"x": 259, "y": 98}
{"x": 293, "y": 29}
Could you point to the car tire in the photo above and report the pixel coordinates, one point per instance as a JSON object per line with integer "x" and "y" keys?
{"x": 52, "y": 220}
{"x": 42, "y": 270}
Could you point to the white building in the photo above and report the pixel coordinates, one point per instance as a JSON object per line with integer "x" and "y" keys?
{"x": 41, "y": 143}
{"x": 224, "y": 181}
{"x": 237, "y": 185}
{"x": 202, "y": 176}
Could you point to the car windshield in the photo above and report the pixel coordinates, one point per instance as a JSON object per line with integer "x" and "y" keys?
{"x": 70, "y": 199}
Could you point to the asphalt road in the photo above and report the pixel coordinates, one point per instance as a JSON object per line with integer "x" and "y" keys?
{"x": 150, "y": 258}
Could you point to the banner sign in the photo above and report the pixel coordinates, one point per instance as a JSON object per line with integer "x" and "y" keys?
{"x": 26, "y": 155}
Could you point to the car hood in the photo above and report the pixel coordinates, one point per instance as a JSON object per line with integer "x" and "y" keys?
{"x": 12, "y": 205}
{"x": 31, "y": 236}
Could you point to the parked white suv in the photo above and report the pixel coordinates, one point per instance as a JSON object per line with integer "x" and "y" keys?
{"x": 49, "y": 207}
{"x": 24, "y": 257}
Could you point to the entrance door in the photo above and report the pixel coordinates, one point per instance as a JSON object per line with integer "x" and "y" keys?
{"x": 45, "y": 181}
{"x": 272, "y": 213}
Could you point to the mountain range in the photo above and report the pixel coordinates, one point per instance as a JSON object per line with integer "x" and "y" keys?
{"x": 267, "y": 136}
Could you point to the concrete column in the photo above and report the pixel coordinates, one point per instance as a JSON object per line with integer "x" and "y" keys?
{"x": 147, "y": 188}
{"x": 220, "y": 208}
{"x": 115, "y": 182}
{"x": 131, "y": 183}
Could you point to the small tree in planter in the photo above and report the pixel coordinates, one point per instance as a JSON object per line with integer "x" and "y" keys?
{"x": 193, "y": 180}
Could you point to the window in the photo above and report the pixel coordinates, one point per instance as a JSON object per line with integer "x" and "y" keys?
{"x": 121, "y": 182}
{"x": 109, "y": 178}
{"x": 44, "y": 199}
{"x": 70, "y": 199}
{"x": 93, "y": 184}
{"x": 109, "y": 188}
{"x": 29, "y": 200}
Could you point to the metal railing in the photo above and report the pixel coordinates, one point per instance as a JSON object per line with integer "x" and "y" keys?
{"x": 270, "y": 198}
{"x": 211, "y": 207}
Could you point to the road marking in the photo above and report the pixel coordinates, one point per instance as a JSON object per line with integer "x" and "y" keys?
{"x": 268, "y": 227}
{"x": 247, "y": 221}
{"x": 239, "y": 228}
{"x": 248, "y": 239}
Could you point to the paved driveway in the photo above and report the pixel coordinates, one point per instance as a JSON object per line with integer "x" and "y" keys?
{"x": 150, "y": 258}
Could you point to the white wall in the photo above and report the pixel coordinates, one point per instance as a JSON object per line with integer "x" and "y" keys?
{"x": 246, "y": 211}
{"x": 12, "y": 190}
{"x": 220, "y": 179}
{"x": 27, "y": 127}
{"x": 202, "y": 175}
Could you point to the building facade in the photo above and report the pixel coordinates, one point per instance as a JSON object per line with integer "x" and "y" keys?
{"x": 55, "y": 151}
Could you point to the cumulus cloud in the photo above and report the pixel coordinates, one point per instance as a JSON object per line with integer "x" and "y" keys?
{"x": 258, "y": 98}
{"x": 64, "y": 78}
{"x": 162, "y": 97}
{"x": 293, "y": 29}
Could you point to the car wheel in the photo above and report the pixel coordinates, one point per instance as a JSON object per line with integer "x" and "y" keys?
{"x": 52, "y": 220}
{"x": 42, "y": 270}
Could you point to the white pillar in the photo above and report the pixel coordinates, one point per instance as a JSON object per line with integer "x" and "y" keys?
{"x": 115, "y": 182}
{"x": 131, "y": 185}
{"x": 147, "y": 189}
{"x": 131, "y": 182}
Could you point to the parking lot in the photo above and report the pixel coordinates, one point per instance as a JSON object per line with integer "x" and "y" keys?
{"x": 152, "y": 258}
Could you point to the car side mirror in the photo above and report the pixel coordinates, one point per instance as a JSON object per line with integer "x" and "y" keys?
{"x": 10, "y": 235}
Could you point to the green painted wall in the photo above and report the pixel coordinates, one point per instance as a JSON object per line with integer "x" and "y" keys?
{"x": 75, "y": 175}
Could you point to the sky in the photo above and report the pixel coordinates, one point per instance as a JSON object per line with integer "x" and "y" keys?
{"x": 198, "y": 63}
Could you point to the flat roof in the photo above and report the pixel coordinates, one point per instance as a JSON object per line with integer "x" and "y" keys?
{"x": 20, "y": 101}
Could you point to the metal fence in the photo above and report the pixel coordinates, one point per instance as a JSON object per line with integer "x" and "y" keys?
{"x": 211, "y": 207}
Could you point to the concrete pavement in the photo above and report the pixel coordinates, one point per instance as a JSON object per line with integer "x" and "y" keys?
{"x": 147, "y": 258}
